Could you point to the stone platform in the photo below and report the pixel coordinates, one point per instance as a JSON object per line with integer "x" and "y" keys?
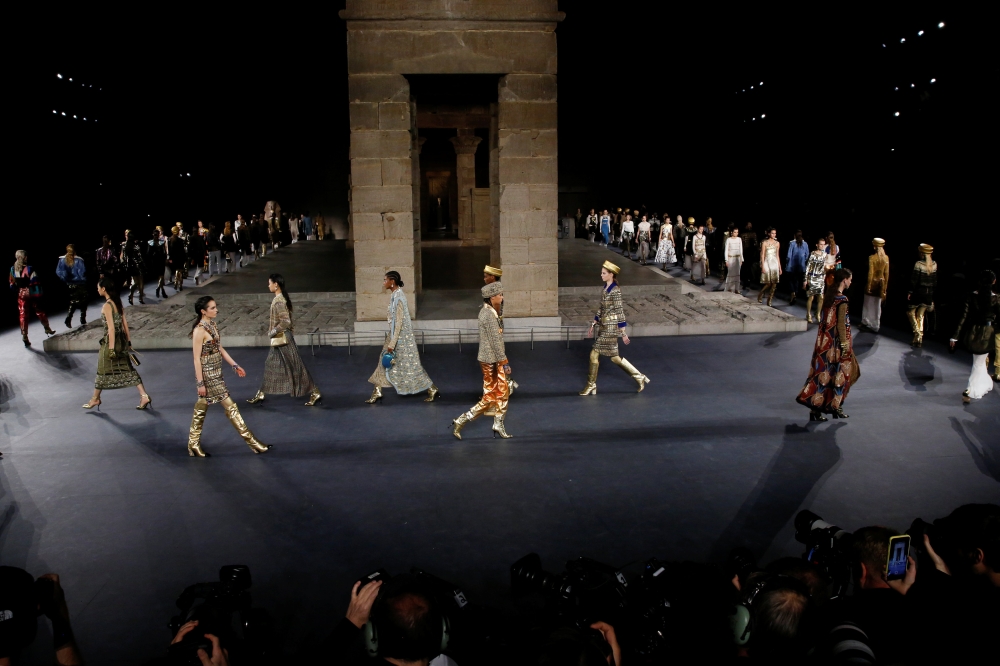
{"x": 656, "y": 304}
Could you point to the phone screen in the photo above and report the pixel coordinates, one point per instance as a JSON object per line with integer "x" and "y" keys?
{"x": 895, "y": 566}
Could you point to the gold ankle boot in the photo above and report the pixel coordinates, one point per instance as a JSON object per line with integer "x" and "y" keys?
{"x": 460, "y": 422}
{"x": 314, "y": 397}
{"x": 498, "y": 429}
{"x": 234, "y": 416}
{"x": 591, "y": 388}
{"x": 376, "y": 395}
{"x": 432, "y": 394}
{"x": 194, "y": 436}
{"x": 258, "y": 397}
{"x": 639, "y": 378}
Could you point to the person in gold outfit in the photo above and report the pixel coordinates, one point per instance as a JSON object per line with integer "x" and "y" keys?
{"x": 284, "y": 372}
{"x": 611, "y": 322}
{"x": 208, "y": 357}
{"x": 878, "y": 285}
{"x": 923, "y": 280}
{"x": 491, "y": 275}
{"x": 494, "y": 364}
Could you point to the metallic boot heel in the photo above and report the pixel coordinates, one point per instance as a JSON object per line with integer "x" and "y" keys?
{"x": 432, "y": 394}
{"x": 314, "y": 397}
{"x": 639, "y": 378}
{"x": 233, "y": 413}
{"x": 376, "y": 395}
{"x": 149, "y": 403}
{"x": 460, "y": 423}
{"x": 498, "y": 429}
{"x": 194, "y": 436}
{"x": 591, "y": 388}
{"x": 258, "y": 397}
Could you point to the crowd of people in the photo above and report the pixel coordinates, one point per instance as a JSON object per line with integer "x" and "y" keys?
{"x": 166, "y": 258}
{"x": 874, "y": 596}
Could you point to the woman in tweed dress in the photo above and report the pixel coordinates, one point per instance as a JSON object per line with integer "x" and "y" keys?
{"x": 208, "y": 357}
{"x": 284, "y": 372}
{"x": 114, "y": 367}
{"x": 611, "y": 319}
{"x": 406, "y": 374}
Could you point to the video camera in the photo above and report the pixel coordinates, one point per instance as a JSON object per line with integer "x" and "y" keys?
{"x": 828, "y": 547}
{"x": 223, "y": 609}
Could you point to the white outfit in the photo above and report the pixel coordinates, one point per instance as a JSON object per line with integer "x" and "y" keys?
{"x": 871, "y": 315}
{"x": 734, "y": 261}
{"x": 293, "y": 226}
{"x": 665, "y": 250}
{"x": 980, "y": 382}
{"x": 627, "y": 228}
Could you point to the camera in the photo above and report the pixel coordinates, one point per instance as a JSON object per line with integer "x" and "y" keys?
{"x": 223, "y": 609}
{"x": 828, "y": 547}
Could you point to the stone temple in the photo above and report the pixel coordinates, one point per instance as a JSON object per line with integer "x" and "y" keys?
{"x": 485, "y": 73}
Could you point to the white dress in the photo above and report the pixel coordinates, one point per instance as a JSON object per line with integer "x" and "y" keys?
{"x": 980, "y": 382}
{"x": 665, "y": 249}
{"x": 734, "y": 261}
{"x": 771, "y": 269}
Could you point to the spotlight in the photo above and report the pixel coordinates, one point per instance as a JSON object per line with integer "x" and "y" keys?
{"x": 189, "y": 175}
{"x": 74, "y": 116}
{"x": 941, "y": 24}
{"x": 883, "y": 46}
{"x": 762, "y": 116}
{"x": 751, "y": 87}
{"x": 933, "y": 80}
{"x": 897, "y": 87}
{"x": 912, "y": 85}
{"x": 64, "y": 113}
{"x": 761, "y": 83}
{"x": 903, "y": 40}
{"x": 896, "y": 114}
{"x": 920, "y": 33}
{"x": 71, "y": 80}
{"x": 54, "y": 111}
{"x": 59, "y": 76}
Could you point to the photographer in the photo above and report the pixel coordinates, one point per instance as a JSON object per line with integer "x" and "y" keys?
{"x": 22, "y": 600}
{"x": 569, "y": 646}
{"x": 879, "y": 608}
{"x": 219, "y": 657}
{"x": 397, "y": 621}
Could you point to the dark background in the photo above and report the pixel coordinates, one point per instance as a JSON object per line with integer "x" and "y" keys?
{"x": 254, "y": 107}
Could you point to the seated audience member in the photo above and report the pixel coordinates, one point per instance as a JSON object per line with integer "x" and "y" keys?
{"x": 405, "y": 618}
{"x": 22, "y": 600}
{"x": 781, "y": 625}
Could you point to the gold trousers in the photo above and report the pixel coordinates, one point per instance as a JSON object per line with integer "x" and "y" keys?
{"x": 915, "y": 313}
{"x": 495, "y": 390}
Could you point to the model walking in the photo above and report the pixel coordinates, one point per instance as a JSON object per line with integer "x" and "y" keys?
{"x": 156, "y": 260}
{"x": 72, "y": 271}
{"x": 491, "y": 275}
{"x": 133, "y": 266}
{"x": 770, "y": 265}
{"x": 404, "y": 373}
{"x": 923, "y": 280}
{"x": 284, "y": 372}
{"x": 208, "y": 357}
{"x": 981, "y": 313}
{"x": 815, "y": 280}
{"x": 699, "y": 256}
{"x": 665, "y": 253}
{"x": 795, "y": 265}
{"x": 834, "y": 368}
{"x": 24, "y": 280}
{"x": 493, "y": 363}
{"x": 114, "y": 362}
{"x": 734, "y": 260}
{"x": 878, "y": 285}
{"x": 611, "y": 320}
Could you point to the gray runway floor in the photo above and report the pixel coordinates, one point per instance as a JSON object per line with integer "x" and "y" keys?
{"x": 714, "y": 453}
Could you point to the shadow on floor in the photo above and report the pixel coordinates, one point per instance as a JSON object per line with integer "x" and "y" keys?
{"x": 917, "y": 370}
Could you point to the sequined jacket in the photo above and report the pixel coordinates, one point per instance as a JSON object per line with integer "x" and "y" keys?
{"x": 922, "y": 283}
{"x": 491, "y": 348}
{"x": 611, "y": 316}
{"x": 878, "y": 275}
{"x": 281, "y": 318}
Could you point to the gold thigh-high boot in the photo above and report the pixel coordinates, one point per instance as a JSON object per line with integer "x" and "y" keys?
{"x": 591, "y": 388}
{"x": 770, "y": 293}
{"x": 194, "y": 437}
{"x": 469, "y": 416}
{"x": 233, "y": 413}
{"x": 639, "y": 378}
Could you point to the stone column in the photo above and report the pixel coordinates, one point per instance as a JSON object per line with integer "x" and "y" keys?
{"x": 418, "y": 262}
{"x": 528, "y": 194}
{"x": 465, "y": 161}
{"x": 381, "y": 194}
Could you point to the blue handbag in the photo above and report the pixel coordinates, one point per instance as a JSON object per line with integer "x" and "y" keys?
{"x": 388, "y": 359}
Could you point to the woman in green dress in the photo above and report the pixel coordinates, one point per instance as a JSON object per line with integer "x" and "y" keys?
{"x": 114, "y": 367}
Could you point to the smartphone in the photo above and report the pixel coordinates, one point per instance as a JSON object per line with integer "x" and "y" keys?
{"x": 380, "y": 574}
{"x": 895, "y": 565}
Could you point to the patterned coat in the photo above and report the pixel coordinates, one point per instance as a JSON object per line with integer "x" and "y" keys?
{"x": 491, "y": 349}
{"x": 834, "y": 367}
{"x": 407, "y": 374}
{"x": 611, "y": 320}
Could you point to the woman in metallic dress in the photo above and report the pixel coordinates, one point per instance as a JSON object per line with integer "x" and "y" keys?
{"x": 114, "y": 367}
{"x": 284, "y": 372}
{"x": 770, "y": 266}
{"x": 406, "y": 374}
{"x": 611, "y": 319}
{"x": 834, "y": 368}
{"x": 208, "y": 357}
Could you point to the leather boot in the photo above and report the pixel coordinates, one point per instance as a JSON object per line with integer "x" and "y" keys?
{"x": 639, "y": 378}
{"x": 591, "y": 387}
{"x": 498, "y": 429}
{"x": 234, "y": 416}
{"x": 194, "y": 436}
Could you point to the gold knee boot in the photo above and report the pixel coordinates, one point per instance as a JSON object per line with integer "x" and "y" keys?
{"x": 462, "y": 420}
{"x": 639, "y": 378}
{"x": 809, "y": 309}
{"x": 194, "y": 436}
{"x": 591, "y": 387}
{"x": 234, "y": 416}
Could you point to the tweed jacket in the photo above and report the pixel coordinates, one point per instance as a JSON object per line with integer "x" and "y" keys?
{"x": 491, "y": 348}
{"x": 281, "y": 318}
